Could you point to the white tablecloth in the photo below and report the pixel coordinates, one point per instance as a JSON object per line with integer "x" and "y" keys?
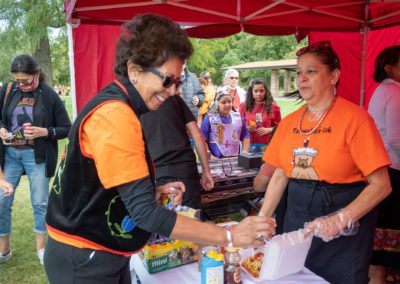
{"x": 189, "y": 274}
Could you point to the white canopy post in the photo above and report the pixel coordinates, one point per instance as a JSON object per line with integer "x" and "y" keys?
{"x": 72, "y": 69}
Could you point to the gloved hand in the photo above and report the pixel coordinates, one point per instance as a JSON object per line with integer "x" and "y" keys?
{"x": 334, "y": 225}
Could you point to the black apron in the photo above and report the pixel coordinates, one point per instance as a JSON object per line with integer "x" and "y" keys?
{"x": 345, "y": 259}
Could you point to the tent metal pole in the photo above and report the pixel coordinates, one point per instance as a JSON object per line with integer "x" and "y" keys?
{"x": 364, "y": 53}
{"x": 72, "y": 70}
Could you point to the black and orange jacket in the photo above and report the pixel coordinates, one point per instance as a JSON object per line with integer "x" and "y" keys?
{"x": 82, "y": 211}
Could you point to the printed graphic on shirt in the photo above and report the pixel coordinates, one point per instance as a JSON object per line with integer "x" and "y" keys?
{"x": 302, "y": 160}
{"x": 21, "y": 114}
{"x": 116, "y": 229}
{"x": 235, "y": 136}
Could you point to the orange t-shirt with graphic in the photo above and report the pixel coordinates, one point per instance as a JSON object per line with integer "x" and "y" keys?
{"x": 112, "y": 136}
{"x": 345, "y": 148}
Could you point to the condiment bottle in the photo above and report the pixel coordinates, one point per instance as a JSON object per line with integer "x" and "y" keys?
{"x": 232, "y": 272}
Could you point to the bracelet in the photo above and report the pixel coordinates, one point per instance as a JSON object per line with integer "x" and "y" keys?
{"x": 229, "y": 237}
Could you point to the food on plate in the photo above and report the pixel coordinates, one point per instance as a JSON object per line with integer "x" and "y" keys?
{"x": 253, "y": 264}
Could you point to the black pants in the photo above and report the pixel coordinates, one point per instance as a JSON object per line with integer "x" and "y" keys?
{"x": 67, "y": 264}
{"x": 344, "y": 260}
{"x": 191, "y": 196}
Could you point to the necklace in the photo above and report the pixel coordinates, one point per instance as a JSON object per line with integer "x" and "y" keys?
{"x": 320, "y": 119}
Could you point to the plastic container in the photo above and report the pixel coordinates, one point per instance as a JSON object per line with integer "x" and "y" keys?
{"x": 212, "y": 268}
{"x": 232, "y": 272}
{"x": 283, "y": 255}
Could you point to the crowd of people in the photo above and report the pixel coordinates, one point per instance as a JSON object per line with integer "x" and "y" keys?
{"x": 318, "y": 172}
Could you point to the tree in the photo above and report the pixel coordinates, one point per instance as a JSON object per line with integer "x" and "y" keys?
{"x": 214, "y": 54}
{"x": 25, "y": 29}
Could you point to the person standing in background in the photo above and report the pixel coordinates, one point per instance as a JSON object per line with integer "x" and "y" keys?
{"x": 209, "y": 89}
{"x": 384, "y": 107}
{"x": 231, "y": 85}
{"x": 192, "y": 93}
{"x": 36, "y": 118}
{"x": 262, "y": 114}
{"x": 172, "y": 155}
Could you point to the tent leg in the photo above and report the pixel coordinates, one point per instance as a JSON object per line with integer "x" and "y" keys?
{"x": 364, "y": 54}
{"x": 72, "y": 70}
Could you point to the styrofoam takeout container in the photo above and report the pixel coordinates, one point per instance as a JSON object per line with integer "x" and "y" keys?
{"x": 283, "y": 255}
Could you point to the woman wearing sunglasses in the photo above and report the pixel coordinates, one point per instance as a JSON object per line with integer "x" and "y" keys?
{"x": 104, "y": 205}
{"x": 323, "y": 154}
{"x": 33, "y": 119}
{"x": 231, "y": 85}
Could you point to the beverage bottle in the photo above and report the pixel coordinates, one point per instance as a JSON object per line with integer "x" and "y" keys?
{"x": 212, "y": 268}
{"x": 232, "y": 272}
{"x": 168, "y": 199}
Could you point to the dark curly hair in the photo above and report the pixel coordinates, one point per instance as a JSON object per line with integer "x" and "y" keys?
{"x": 250, "y": 101}
{"x": 388, "y": 56}
{"x": 26, "y": 64}
{"x": 150, "y": 40}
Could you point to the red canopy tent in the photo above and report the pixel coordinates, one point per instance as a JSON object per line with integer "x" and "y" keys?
{"x": 349, "y": 24}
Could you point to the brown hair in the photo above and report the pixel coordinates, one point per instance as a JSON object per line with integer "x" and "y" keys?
{"x": 150, "y": 40}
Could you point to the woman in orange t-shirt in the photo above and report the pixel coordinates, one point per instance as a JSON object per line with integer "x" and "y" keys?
{"x": 262, "y": 114}
{"x": 322, "y": 154}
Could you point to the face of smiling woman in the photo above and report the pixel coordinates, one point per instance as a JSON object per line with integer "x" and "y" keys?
{"x": 149, "y": 85}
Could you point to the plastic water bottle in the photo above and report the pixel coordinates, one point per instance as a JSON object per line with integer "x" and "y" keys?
{"x": 212, "y": 268}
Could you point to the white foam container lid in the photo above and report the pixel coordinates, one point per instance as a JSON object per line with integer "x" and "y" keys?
{"x": 283, "y": 255}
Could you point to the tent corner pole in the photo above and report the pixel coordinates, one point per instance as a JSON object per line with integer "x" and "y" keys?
{"x": 72, "y": 69}
{"x": 364, "y": 53}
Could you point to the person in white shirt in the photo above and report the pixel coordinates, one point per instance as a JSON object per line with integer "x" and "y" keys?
{"x": 384, "y": 107}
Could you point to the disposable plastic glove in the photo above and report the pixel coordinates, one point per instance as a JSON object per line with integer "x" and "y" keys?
{"x": 334, "y": 225}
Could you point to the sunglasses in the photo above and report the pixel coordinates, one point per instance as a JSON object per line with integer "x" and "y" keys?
{"x": 167, "y": 80}
{"x": 314, "y": 47}
{"x": 21, "y": 82}
{"x": 234, "y": 78}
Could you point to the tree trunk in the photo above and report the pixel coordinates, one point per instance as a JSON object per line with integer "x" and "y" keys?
{"x": 43, "y": 57}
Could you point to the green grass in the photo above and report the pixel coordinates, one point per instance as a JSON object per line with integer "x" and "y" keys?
{"x": 24, "y": 266}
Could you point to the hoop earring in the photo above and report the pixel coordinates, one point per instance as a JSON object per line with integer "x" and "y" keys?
{"x": 133, "y": 81}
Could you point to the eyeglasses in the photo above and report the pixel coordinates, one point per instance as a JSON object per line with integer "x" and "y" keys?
{"x": 314, "y": 47}
{"x": 167, "y": 80}
{"x": 234, "y": 78}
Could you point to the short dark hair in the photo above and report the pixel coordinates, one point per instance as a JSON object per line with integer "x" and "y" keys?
{"x": 150, "y": 40}
{"x": 388, "y": 56}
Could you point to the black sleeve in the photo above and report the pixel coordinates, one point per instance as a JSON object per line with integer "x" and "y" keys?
{"x": 61, "y": 123}
{"x": 139, "y": 199}
{"x": 187, "y": 113}
{"x": 2, "y": 95}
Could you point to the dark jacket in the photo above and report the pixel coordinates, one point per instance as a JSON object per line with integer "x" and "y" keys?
{"x": 48, "y": 112}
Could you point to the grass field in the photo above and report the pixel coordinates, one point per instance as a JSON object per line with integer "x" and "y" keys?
{"x": 24, "y": 266}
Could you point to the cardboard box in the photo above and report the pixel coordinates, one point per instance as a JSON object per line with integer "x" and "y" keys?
{"x": 250, "y": 161}
{"x": 170, "y": 254}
